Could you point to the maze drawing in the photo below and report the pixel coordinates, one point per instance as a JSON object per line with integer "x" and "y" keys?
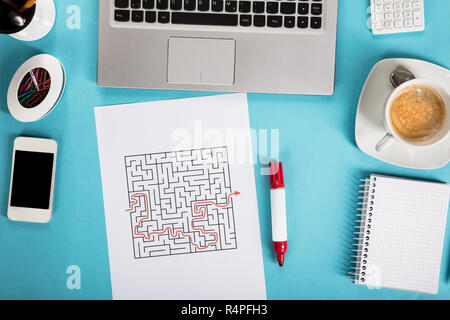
{"x": 180, "y": 202}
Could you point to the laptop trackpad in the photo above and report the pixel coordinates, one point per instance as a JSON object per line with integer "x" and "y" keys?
{"x": 201, "y": 61}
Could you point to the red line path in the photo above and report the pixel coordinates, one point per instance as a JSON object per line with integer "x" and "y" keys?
{"x": 199, "y": 209}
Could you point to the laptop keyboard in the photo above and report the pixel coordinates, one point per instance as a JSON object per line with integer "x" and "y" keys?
{"x": 248, "y": 15}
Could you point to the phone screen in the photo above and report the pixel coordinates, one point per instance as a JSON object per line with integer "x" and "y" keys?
{"x": 32, "y": 179}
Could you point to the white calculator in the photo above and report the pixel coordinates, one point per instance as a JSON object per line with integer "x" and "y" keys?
{"x": 396, "y": 16}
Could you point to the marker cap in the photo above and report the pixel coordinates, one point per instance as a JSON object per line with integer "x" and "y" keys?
{"x": 276, "y": 175}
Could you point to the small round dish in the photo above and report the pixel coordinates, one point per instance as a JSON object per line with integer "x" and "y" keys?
{"x": 36, "y": 88}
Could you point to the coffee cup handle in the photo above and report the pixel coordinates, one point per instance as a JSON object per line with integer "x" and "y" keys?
{"x": 384, "y": 142}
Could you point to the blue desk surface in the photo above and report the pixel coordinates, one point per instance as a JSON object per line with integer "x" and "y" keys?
{"x": 317, "y": 144}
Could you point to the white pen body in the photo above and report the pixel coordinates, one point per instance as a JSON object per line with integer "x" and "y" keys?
{"x": 278, "y": 209}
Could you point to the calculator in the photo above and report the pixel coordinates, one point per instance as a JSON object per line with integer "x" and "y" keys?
{"x": 397, "y": 16}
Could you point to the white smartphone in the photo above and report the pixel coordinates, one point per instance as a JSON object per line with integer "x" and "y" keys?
{"x": 32, "y": 180}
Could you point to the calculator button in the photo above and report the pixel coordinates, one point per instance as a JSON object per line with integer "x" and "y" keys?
{"x": 379, "y": 26}
{"x": 418, "y": 18}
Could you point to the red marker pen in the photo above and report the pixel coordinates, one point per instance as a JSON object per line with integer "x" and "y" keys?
{"x": 278, "y": 208}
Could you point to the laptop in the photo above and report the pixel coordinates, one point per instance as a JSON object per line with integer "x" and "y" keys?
{"x": 286, "y": 46}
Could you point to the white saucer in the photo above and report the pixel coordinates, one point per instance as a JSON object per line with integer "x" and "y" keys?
{"x": 369, "y": 128}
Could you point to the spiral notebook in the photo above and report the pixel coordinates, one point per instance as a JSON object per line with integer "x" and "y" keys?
{"x": 400, "y": 230}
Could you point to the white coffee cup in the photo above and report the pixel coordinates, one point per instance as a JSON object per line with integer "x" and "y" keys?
{"x": 392, "y": 135}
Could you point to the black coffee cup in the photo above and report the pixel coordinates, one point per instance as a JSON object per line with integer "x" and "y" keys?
{"x": 6, "y": 24}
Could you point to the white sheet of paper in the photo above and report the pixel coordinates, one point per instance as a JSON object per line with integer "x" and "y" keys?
{"x": 176, "y": 166}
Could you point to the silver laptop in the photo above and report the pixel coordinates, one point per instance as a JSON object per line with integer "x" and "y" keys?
{"x": 283, "y": 46}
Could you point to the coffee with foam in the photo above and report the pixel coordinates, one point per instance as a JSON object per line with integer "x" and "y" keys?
{"x": 417, "y": 113}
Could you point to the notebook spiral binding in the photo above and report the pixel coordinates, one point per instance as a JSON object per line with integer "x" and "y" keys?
{"x": 362, "y": 238}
